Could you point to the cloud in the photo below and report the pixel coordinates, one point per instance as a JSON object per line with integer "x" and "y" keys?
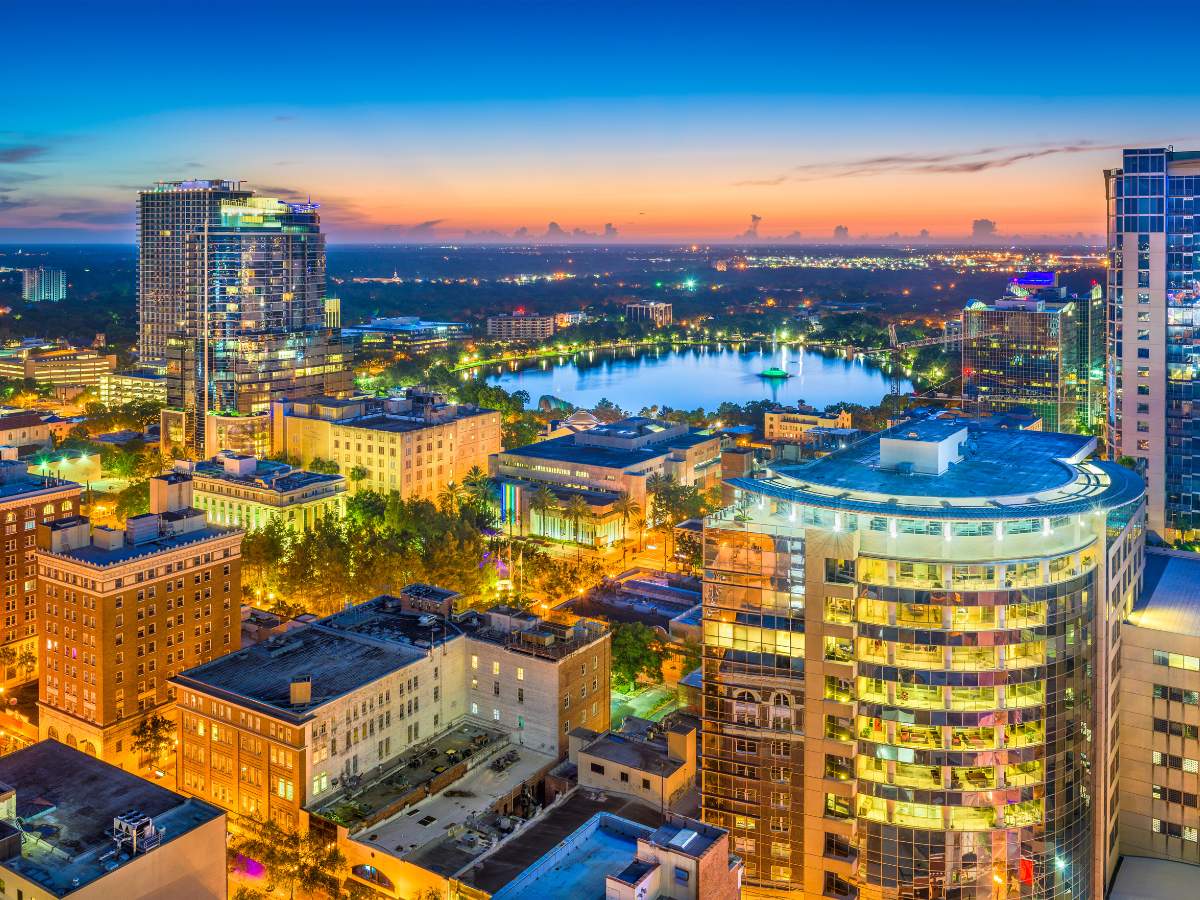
{"x": 841, "y": 233}
{"x": 751, "y": 233}
{"x": 948, "y": 162}
{"x": 97, "y": 217}
{"x": 983, "y": 229}
{"x": 18, "y": 153}
{"x": 521, "y": 232}
{"x": 555, "y": 232}
{"x": 7, "y": 204}
{"x": 294, "y": 195}
{"x": 425, "y": 229}
{"x": 610, "y": 230}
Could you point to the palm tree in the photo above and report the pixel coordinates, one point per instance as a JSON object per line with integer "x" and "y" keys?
{"x": 576, "y": 509}
{"x": 451, "y": 497}
{"x": 544, "y": 503}
{"x": 640, "y": 524}
{"x": 479, "y": 486}
{"x": 656, "y": 485}
{"x": 626, "y": 507}
{"x": 357, "y": 474}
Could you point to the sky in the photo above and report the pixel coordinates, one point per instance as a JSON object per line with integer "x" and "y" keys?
{"x": 440, "y": 122}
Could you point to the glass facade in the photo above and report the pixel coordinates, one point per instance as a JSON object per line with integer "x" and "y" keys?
{"x": 232, "y": 298}
{"x": 1154, "y": 328}
{"x": 905, "y": 703}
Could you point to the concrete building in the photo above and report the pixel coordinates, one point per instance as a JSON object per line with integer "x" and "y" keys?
{"x": 660, "y": 314}
{"x": 124, "y": 611}
{"x": 405, "y": 334}
{"x": 26, "y": 500}
{"x": 331, "y": 705}
{"x": 617, "y": 859}
{"x": 653, "y": 763}
{"x": 24, "y": 430}
{"x": 1152, "y": 290}
{"x": 792, "y": 424}
{"x": 520, "y": 327}
{"x": 599, "y": 465}
{"x": 909, "y": 650}
{"x": 71, "y": 825}
{"x": 55, "y": 366}
{"x": 231, "y": 298}
{"x": 1160, "y": 713}
{"x": 569, "y": 319}
{"x": 42, "y": 284}
{"x": 1037, "y": 349}
{"x": 415, "y": 444}
{"x": 247, "y": 493}
{"x": 132, "y": 387}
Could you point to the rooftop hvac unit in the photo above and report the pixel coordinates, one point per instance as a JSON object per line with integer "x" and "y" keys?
{"x": 135, "y": 832}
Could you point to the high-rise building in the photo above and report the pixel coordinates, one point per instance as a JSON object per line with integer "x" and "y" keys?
{"x": 42, "y": 284}
{"x": 231, "y": 296}
{"x": 1153, "y": 349}
{"x": 908, "y": 653}
{"x": 1040, "y": 349}
{"x": 123, "y": 611}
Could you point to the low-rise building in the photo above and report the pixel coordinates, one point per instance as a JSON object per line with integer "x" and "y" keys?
{"x": 615, "y": 858}
{"x": 239, "y": 490}
{"x": 656, "y": 763}
{"x": 55, "y": 366}
{"x": 405, "y": 334}
{"x": 24, "y": 430}
{"x": 599, "y": 466}
{"x": 123, "y": 611}
{"x": 660, "y": 314}
{"x": 415, "y": 444}
{"x": 792, "y": 424}
{"x": 569, "y": 319}
{"x": 73, "y": 825}
{"x": 117, "y": 388}
{"x": 320, "y": 709}
{"x": 520, "y": 327}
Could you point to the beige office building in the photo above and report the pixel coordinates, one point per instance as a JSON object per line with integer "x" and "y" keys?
{"x": 791, "y": 424}
{"x": 414, "y": 444}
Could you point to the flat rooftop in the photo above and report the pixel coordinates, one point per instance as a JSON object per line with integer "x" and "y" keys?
{"x": 269, "y": 475}
{"x": 508, "y": 872}
{"x": 419, "y": 832}
{"x": 1003, "y": 474}
{"x": 627, "y": 750}
{"x": 566, "y": 449}
{"x": 1139, "y": 878}
{"x": 71, "y": 799}
{"x": 337, "y": 663}
{"x": 1170, "y": 597}
{"x": 98, "y": 556}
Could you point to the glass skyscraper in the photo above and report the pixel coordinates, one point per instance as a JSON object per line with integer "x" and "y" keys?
{"x": 1154, "y": 330}
{"x": 231, "y": 298}
{"x": 907, "y": 649}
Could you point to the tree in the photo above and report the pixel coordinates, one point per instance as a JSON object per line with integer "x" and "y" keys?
{"x": 133, "y": 500}
{"x": 27, "y": 661}
{"x": 478, "y": 485}
{"x": 153, "y": 735}
{"x": 292, "y": 861}
{"x": 544, "y": 503}
{"x": 8, "y": 658}
{"x": 323, "y": 466}
{"x": 635, "y": 652}
{"x": 358, "y": 474}
{"x": 626, "y": 507}
{"x": 451, "y": 497}
{"x": 262, "y": 551}
{"x": 640, "y": 524}
{"x": 576, "y": 509}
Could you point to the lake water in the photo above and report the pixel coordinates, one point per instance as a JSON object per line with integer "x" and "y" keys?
{"x": 691, "y": 377}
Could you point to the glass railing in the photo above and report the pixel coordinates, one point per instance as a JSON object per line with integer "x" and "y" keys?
{"x": 914, "y": 776}
{"x": 983, "y": 738}
{"x": 919, "y": 696}
{"x": 972, "y": 818}
{"x": 973, "y": 778}
{"x": 917, "y": 656}
{"x": 872, "y": 690}
{"x": 972, "y": 659}
{"x": 1023, "y": 774}
{"x": 919, "y": 737}
{"x": 1019, "y": 696}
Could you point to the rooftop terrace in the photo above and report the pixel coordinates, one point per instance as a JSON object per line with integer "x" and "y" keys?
{"x": 1002, "y": 474}
{"x": 68, "y": 801}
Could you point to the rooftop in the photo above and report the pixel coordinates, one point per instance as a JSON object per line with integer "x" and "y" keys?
{"x": 1002, "y": 474}
{"x": 570, "y": 448}
{"x": 1139, "y": 878}
{"x": 261, "y": 675}
{"x": 566, "y": 852}
{"x": 628, "y": 750}
{"x": 268, "y": 475}
{"x": 1170, "y": 598}
{"x": 69, "y": 799}
{"x": 100, "y": 557}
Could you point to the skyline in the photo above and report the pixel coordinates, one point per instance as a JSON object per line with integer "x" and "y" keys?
{"x": 671, "y": 124}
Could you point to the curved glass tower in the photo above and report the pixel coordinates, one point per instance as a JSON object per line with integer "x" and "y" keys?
{"x": 907, "y": 653}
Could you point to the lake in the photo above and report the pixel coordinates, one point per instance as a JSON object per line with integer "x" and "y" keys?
{"x": 691, "y": 377}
